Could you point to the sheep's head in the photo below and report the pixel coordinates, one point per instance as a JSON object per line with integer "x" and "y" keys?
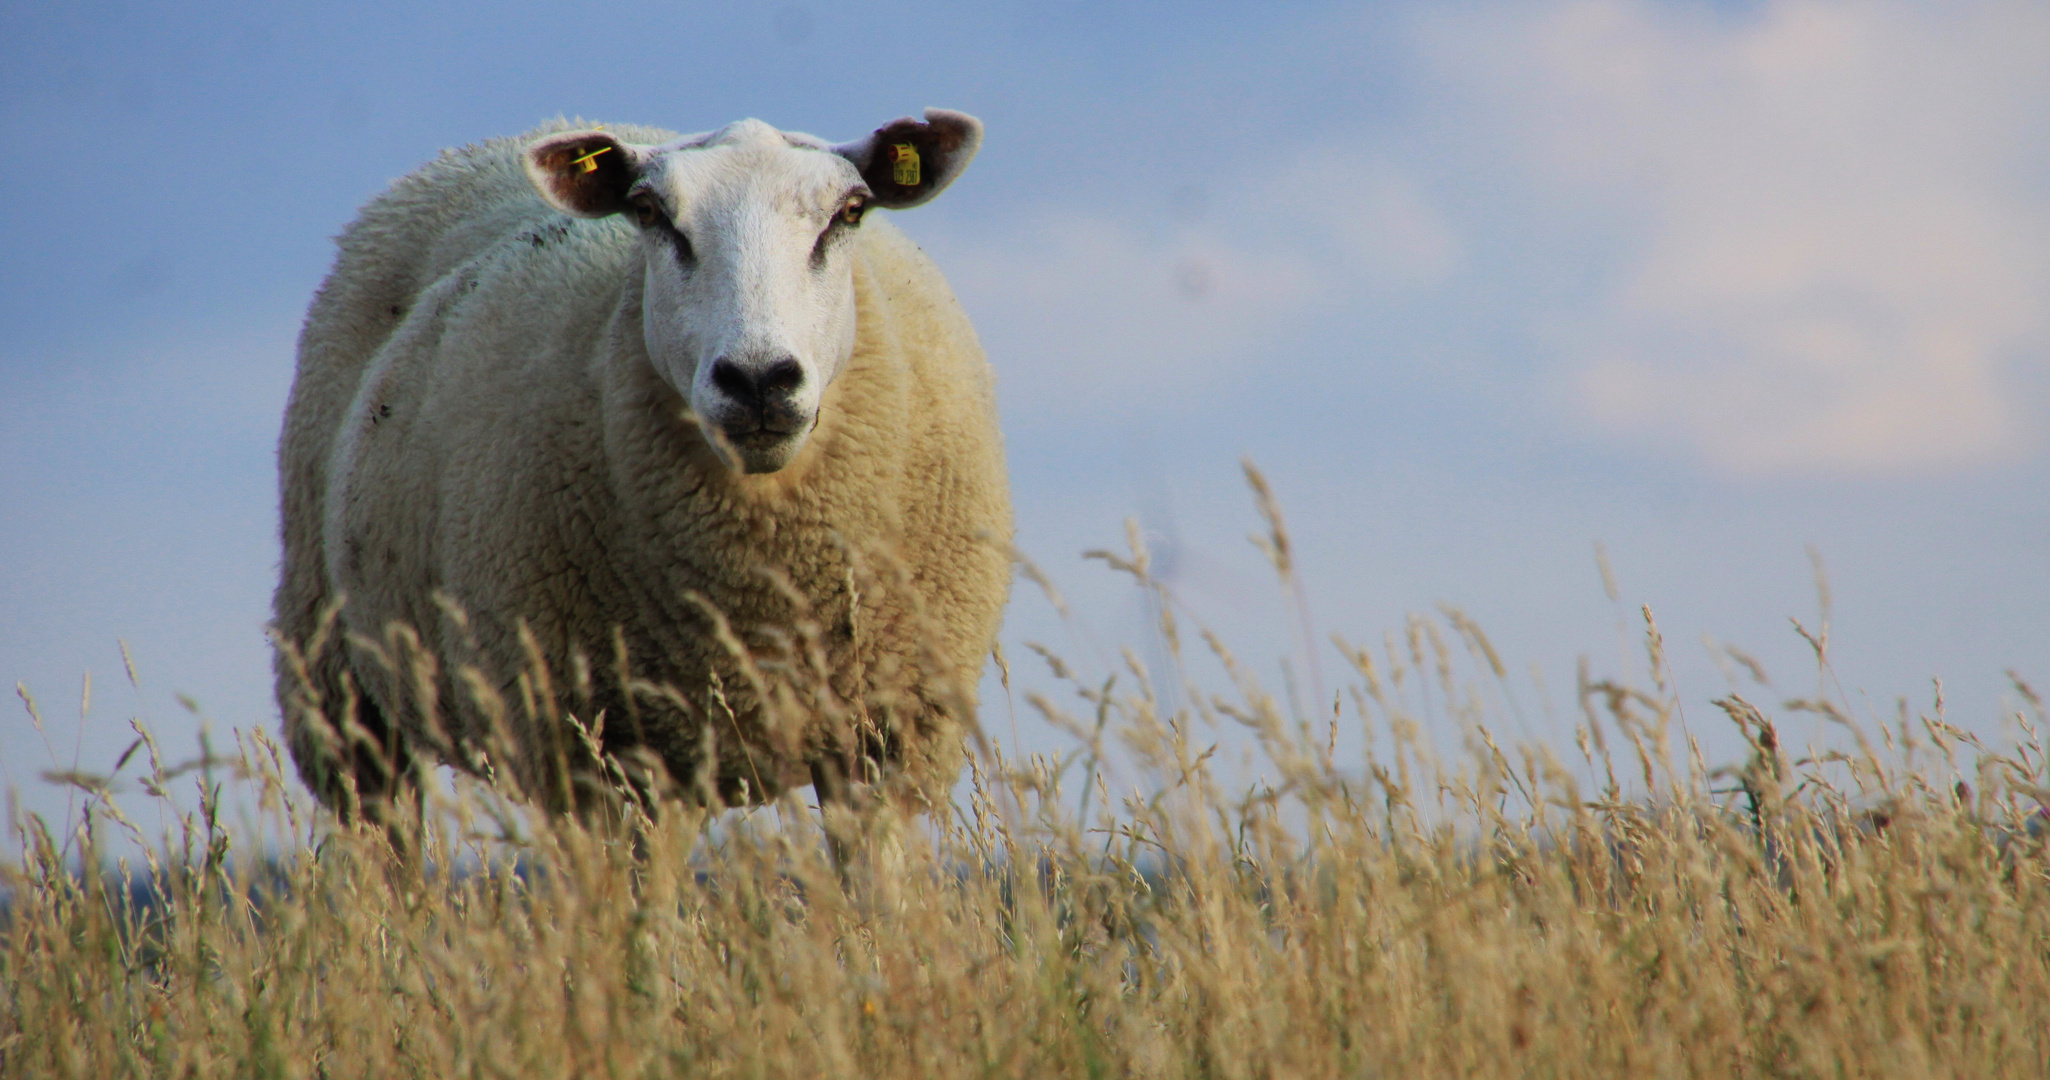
{"x": 748, "y": 302}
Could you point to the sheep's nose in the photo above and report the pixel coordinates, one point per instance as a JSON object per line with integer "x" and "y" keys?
{"x": 754, "y": 385}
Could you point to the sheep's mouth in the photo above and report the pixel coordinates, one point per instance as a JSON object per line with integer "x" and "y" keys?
{"x": 757, "y": 438}
{"x": 763, "y": 447}
{"x": 763, "y": 423}
{"x": 759, "y": 432}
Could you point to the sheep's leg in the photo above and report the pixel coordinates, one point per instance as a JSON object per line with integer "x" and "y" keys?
{"x": 351, "y": 755}
{"x": 382, "y": 767}
{"x": 830, "y": 782}
{"x": 366, "y": 775}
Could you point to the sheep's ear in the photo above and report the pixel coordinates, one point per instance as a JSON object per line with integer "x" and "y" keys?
{"x": 586, "y": 173}
{"x": 907, "y": 161}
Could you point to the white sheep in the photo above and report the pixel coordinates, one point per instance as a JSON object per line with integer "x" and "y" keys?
{"x": 664, "y": 437}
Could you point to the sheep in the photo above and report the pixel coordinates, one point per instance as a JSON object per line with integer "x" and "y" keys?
{"x": 617, "y": 459}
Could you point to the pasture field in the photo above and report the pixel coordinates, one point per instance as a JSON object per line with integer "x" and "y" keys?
{"x": 1386, "y": 912}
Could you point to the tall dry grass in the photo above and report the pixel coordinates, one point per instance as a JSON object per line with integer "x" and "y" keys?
{"x": 1881, "y": 912}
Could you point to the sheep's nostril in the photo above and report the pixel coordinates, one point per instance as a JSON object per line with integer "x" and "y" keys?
{"x": 733, "y": 382}
{"x": 754, "y": 386}
{"x": 781, "y": 378}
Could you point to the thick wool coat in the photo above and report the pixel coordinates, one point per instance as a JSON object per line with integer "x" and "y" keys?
{"x": 481, "y": 468}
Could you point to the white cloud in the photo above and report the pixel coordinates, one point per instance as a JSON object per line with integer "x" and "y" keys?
{"x": 1837, "y": 218}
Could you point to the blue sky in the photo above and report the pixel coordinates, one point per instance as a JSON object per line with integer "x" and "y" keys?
{"x": 1477, "y": 285}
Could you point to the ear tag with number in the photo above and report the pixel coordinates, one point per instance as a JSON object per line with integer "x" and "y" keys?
{"x": 589, "y": 162}
{"x": 905, "y": 168}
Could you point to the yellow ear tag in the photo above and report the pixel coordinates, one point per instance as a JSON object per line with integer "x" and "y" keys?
{"x": 589, "y": 162}
{"x": 905, "y": 172}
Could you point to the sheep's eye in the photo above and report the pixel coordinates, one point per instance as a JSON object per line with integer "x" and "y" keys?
{"x": 847, "y": 217}
{"x": 647, "y": 211}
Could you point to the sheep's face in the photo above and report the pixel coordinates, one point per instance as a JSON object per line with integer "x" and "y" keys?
{"x": 748, "y": 236}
